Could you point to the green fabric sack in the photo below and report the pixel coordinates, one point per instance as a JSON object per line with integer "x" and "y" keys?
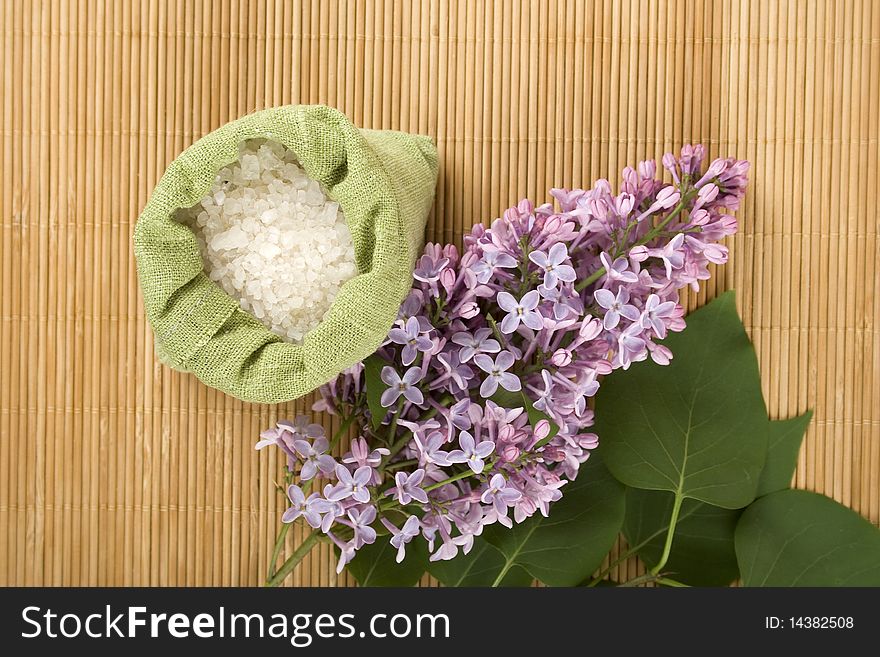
{"x": 383, "y": 181}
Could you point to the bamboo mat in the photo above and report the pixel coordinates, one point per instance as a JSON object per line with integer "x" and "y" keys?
{"x": 116, "y": 470}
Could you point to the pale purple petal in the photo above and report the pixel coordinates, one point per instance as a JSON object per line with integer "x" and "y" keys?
{"x": 533, "y": 320}
{"x": 504, "y": 360}
{"x": 413, "y": 375}
{"x": 389, "y": 376}
{"x": 565, "y": 273}
{"x": 612, "y": 319}
{"x": 390, "y": 396}
{"x": 510, "y": 323}
{"x": 414, "y": 395}
{"x": 484, "y": 362}
{"x": 510, "y": 382}
{"x": 604, "y": 298}
{"x": 531, "y": 300}
{"x": 539, "y": 258}
{"x": 506, "y": 301}
{"x": 398, "y": 336}
{"x": 489, "y": 386}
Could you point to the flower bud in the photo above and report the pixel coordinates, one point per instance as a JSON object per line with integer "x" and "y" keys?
{"x": 542, "y": 429}
{"x": 561, "y": 357}
{"x": 707, "y": 193}
{"x": 469, "y": 259}
{"x": 624, "y": 204}
{"x": 447, "y": 280}
{"x": 638, "y": 253}
{"x": 469, "y": 310}
{"x": 647, "y": 169}
{"x": 552, "y": 225}
{"x": 667, "y": 197}
{"x": 509, "y": 453}
{"x": 699, "y": 217}
{"x": 590, "y": 329}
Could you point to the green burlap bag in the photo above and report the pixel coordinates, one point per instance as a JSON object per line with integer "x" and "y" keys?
{"x": 383, "y": 181}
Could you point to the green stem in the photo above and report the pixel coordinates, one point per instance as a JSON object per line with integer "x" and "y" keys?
{"x": 460, "y": 475}
{"x": 279, "y": 543}
{"x": 670, "y": 533}
{"x": 298, "y": 555}
{"x": 340, "y": 432}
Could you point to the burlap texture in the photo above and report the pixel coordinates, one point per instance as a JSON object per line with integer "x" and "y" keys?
{"x": 384, "y": 182}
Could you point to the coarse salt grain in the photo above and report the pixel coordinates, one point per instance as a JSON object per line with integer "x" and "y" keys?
{"x": 273, "y": 240}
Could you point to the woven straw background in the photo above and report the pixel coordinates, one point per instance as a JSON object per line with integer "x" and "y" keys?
{"x": 116, "y": 470}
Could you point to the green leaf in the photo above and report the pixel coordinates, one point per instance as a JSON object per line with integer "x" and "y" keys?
{"x": 375, "y": 387}
{"x": 798, "y": 538}
{"x": 375, "y": 565}
{"x": 702, "y": 549}
{"x": 697, "y": 429}
{"x": 784, "y": 445}
{"x": 567, "y": 547}
{"x": 479, "y": 567}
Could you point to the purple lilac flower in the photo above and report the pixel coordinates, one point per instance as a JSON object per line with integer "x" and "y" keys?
{"x": 520, "y": 311}
{"x": 360, "y": 521}
{"x": 471, "y": 452}
{"x": 430, "y": 449}
{"x": 497, "y": 373}
{"x": 411, "y": 528}
{"x": 499, "y": 494}
{"x": 671, "y": 254}
{"x": 459, "y": 414}
{"x": 398, "y": 386}
{"x": 654, "y": 314}
{"x": 302, "y": 427}
{"x": 586, "y": 387}
{"x": 411, "y": 337}
{"x": 310, "y": 507}
{"x": 616, "y": 306}
{"x": 351, "y": 485}
{"x": 552, "y": 264}
{"x": 428, "y": 269}
{"x": 314, "y": 457}
{"x": 361, "y": 454}
{"x": 460, "y": 374}
{"x": 492, "y": 259}
{"x": 478, "y": 342}
{"x": 408, "y": 487}
{"x": 618, "y": 270}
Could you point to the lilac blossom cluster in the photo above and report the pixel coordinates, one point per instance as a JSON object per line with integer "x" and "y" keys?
{"x": 486, "y": 377}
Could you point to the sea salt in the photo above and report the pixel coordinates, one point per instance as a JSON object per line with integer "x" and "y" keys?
{"x": 273, "y": 240}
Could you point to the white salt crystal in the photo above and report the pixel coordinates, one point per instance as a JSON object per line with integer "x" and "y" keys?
{"x": 273, "y": 240}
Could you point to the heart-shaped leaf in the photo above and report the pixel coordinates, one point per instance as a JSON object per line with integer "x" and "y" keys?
{"x": 703, "y": 551}
{"x": 702, "y": 547}
{"x": 702, "y": 433}
{"x": 479, "y": 567}
{"x": 783, "y": 447}
{"x": 798, "y": 538}
{"x": 375, "y": 565}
